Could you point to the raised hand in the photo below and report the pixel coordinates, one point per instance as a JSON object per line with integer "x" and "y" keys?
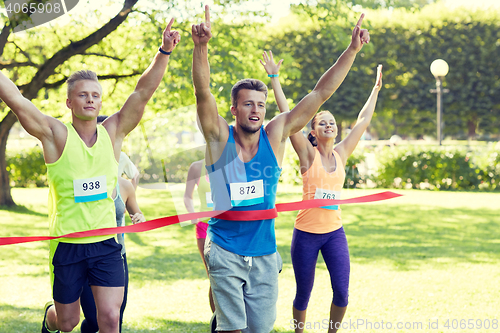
{"x": 378, "y": 82}
{"x": 202, "y": 32}
{"x": 170, "y": 38}
{"x": 270, "y": 66}
{"x": 359, "y": 36}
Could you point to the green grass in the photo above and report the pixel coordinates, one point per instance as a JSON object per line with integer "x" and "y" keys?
{"x": 426, "y": 256}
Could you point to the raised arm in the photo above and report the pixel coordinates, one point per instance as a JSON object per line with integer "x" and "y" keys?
{"x": 194, "y": 174}
{"x": 272, "y": 70}
{"x": 346, "y": 146}
{"x": 205, "y": 102}
{"x": 302, "y": 146}
{"x": 124, "y": 121}
{"x": 43, "y": 127}
{"x": 327, "y": 84}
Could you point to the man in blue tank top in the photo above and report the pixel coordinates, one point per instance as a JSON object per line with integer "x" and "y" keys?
{"x": 244, "y": 164}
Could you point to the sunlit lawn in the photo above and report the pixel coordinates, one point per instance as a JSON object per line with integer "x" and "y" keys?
{"x": 427, "y": 256}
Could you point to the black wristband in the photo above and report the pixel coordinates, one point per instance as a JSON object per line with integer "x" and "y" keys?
{"x": 164, "y": 52}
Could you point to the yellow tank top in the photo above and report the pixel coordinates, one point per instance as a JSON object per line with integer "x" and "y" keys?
{"x": 204, "y": 191}
{"x": 81, "y": 182}
{"x": 319, "y": 184}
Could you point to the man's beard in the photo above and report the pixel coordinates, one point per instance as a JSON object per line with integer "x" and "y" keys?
{"x": 249, "y": 129}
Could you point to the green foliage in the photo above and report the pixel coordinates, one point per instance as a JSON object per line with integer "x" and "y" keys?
{"x": 175, "y": 166}
{"x": 353, "y": 178}
{"x": 27, "y": 168}
{"x": 290, "y": 173}
{"x": 405, "y": 42}
{"x": 491, "y": 166}
{"x": 468, "y": 41}
{"x": 391, "y": 3}
{"x": 444, "y": 168}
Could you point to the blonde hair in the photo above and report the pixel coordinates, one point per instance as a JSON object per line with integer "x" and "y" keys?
{"x": 84, "y": 74}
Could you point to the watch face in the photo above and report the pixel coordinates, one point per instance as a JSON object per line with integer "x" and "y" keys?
{"x": 26, "y": 14}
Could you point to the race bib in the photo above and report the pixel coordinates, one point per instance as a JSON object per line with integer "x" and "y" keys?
{"x": 208, "y": 196}
{"x": 326, "y": 194}
{"x": 90, "y": 189}
{"x": 247, "y": 194}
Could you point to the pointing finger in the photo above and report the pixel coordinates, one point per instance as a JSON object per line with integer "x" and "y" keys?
{"x": 170, "y": 24}
{"x": 360, "y": 20}
{"x": 207, "y": 15}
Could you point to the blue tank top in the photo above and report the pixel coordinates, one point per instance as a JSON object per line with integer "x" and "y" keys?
{"x": 240, "y": 186}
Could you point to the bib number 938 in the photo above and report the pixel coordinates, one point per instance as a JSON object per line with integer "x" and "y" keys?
{"x": 90, "y": 189}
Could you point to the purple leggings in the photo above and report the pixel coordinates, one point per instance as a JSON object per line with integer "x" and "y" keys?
{"x": 305, "y": 249}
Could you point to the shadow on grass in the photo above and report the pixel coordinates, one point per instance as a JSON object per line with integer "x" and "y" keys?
{"x": 19, "y": 209}
{"x": 15, "y": 319}
{"x": 164, "y": 325}
{"x": 409, "y": 235}
{"x": 404, "y": 235}
{"x": 163, "y": 265}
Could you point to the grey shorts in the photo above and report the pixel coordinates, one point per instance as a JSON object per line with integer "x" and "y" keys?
{"x": 245, "y": 289}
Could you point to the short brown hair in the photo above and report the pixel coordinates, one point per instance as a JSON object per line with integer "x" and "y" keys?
{"x": 250, "y": 84}
{"x": 81, "y": 75}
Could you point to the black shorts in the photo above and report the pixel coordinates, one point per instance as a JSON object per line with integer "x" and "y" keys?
{"x": 100, "y": 263}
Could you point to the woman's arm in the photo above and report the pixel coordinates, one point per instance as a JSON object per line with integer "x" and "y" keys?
{"x": 127, "y": 192}
{"x": 346, "y": 146}
{"x": 194, "y": 174}
{"x": 302, "y": 146}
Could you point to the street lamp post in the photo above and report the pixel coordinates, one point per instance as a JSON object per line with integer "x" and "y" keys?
{"x": 439, "y": 68}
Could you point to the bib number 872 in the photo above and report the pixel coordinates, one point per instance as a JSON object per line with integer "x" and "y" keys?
{"x": 91, "y": 186}
{"x": 249, "y": 189}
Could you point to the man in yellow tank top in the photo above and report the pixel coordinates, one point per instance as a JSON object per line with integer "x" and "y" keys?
{"x": 82, "y": 160}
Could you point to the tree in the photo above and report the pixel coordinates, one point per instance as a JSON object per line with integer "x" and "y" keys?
{"x": 405, "y": 42}
{"x": 41, "y": 68}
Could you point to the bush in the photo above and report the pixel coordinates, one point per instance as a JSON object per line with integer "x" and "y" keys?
{"x": 492, "y": 168}
{"x": 445, "y": 168}
{"x": 27, "y": 168}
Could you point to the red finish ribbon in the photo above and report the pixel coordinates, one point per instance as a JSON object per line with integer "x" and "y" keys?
{"x": 226, "y": 215}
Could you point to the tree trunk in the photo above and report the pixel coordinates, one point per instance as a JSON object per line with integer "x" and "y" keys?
{"x": 30, "y": 90}
{"x": 5, "y": 126}
{"x": 472, "y": 125}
